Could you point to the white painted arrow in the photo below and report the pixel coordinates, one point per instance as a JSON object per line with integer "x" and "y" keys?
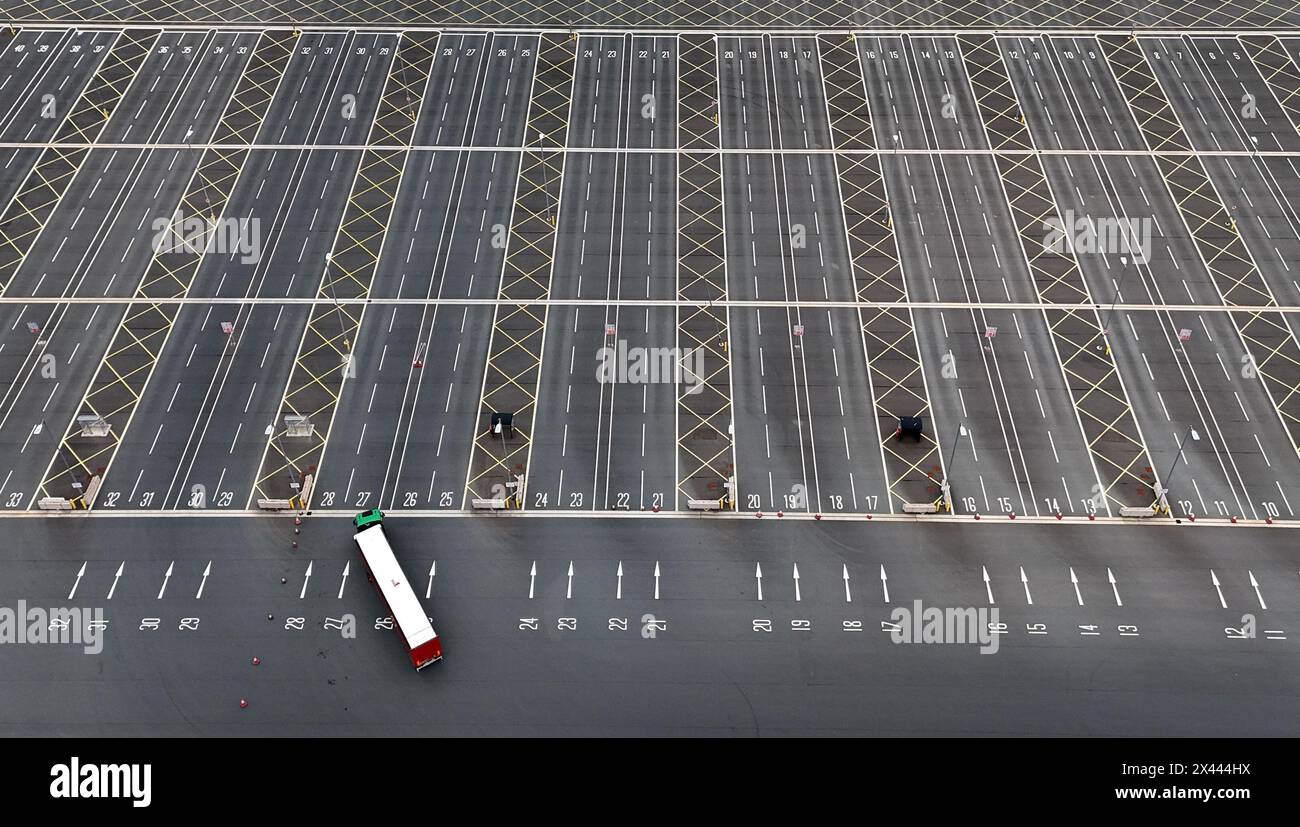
{"x": 618, "y": 576}
{"x": 1075, "y": 581}
{"x": 988, "y": 587}
{"x": 758, "y": 575}
{"x": 77, "y": 582}
{"x": 347, "y": 567}
{"x": 848, "y": 595}
{"x": 306, "y": 579}
{"x": 1025, "y": 580}
{"x": 884, "y": 582}
{"x": 433, "y": 571}
{"x": 1254, "y": 584}
{"x": 797, "y": 596}
{"x": 1113, "y": 587}
{"x": 532, "y": 579}
{"x": 167, "y": 575}
{"x": 206, "y": 571}
{"x": 656, "y": 580}
{"x": 1214, "y": 578}
{"x": 116, "y": 577}
{"x": 568, "y": 592}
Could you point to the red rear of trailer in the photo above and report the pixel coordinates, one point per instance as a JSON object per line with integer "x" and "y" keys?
{"x": 409, "y": 619}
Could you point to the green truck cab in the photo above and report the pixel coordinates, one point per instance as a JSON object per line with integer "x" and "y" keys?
{"x": 368, "y": 518}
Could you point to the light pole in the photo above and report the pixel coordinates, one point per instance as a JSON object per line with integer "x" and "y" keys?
{"x": 67, "y": 468}
{"x": 338, "y": 309}
{"x": 546, "y": 177}
{"x": 1164, "y": 489}
{"x": 952, "y": 455}
{"x": 1110, "y": 311}
{"x": 270, "y": 432}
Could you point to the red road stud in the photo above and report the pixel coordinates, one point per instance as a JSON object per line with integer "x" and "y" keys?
{"x": 1092, "y": 516}
{"x": 1234, "y": 518}
{"x": 758, "y": 514}
{"x": 297, "y": 520}
{"x": 1058, "y": 515}
{"x": 1268, "y": 521}
{"x": 780, "y": 513}
{"x": 977, "y": 516}
{"x": 656, "y": 509}
{"x": 295, "y": 543}
{"x": 1012, "y": 515}
{"x": 257, "y": 661}
{"x": 1191, "y": 517}
{"x": 817, "y": 516}
{"x": 243, "y": 704}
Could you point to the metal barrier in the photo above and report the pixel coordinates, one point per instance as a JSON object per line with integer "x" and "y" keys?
{"x": 920, "y": 508}
{"x": 1137, "y": 511}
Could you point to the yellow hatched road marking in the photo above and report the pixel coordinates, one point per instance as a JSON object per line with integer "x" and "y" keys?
{"x": 1271, "y": 346}
{"x": 1270, "y": 56}
{"x": 320, "y": 367}
{"x": 1092, "y": 379}
{"x": 705, "y": 449}
{"x": 49, "y": 179}
{"x": 888, "y": 333}
{"x": 740, "y": 13}
{"x": 513, "y": 368}
{"x": 128, "y": 364}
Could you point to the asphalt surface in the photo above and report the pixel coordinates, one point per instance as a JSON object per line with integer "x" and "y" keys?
{"x": 672, "y": 624}
{"x": 694, "y": 652}
{"x": 1228, "y": 467}
{"x": 1004, "y": 412}
{"x": 786, "y": 13}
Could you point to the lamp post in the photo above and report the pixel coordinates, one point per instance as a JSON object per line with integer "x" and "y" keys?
{"x": 67, "y": 468}
{"x": 338, "y": 308}
{"x": 1110, "y": 311}
{"x": 1164, "y": 489}
{"x": 270, "y": 432}
{"x": 952, "y": 455}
